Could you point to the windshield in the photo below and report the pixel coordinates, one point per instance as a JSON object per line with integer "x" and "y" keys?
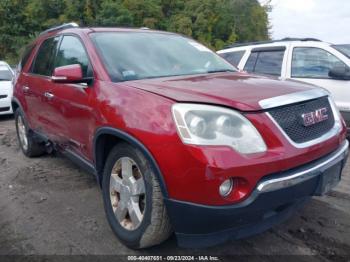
{"x": 5, "y": 73}
{"x": 344, "y": 49}
{"x": 135, "y": 55}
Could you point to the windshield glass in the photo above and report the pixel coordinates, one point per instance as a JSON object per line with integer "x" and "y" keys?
{"x": 135, "y": 55}
{"x": 5, "y": 73}
{"x": 345, "y": 49}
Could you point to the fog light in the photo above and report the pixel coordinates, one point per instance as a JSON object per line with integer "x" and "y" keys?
{"x": 226, "y": 187}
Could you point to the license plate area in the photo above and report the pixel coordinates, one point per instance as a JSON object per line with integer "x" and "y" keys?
{"x": 329, "y": 179}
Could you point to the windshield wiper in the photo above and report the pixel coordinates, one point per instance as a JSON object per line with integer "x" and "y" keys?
{"x": 220, "y": 71}
{"x": 2, "y": 79}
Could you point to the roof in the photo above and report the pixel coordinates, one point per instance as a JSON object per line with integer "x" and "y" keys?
{"x": 287, "y": 39}
{"x": 73, "y": 26}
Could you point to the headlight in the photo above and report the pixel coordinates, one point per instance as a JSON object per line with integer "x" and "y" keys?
{"x": 335, "y": 109}
{"x": 212, "y": 125}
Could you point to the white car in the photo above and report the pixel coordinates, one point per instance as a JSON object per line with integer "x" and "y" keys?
{"x": 308, "y": 60}
{"x": 6, "y": 88}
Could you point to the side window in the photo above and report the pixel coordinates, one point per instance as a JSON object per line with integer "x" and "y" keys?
{"x": 250, "y": 65}
{"x": 72, "y": 52}
{"x": 25, "y": 56}
{"x": 45, "y": 56}
{"x": 311, "y": 62}
{"x": 265, "y": 62}
{"x": 233, "y": 57}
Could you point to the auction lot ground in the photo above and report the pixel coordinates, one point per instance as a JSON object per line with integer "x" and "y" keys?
{"x": 49, "y": 206}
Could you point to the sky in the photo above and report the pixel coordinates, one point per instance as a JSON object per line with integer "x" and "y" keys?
{"x": 327, "y": 20}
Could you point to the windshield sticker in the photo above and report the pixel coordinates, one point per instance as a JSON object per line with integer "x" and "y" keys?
{"x": 199, "y": 47}
{"x": 128, "y": 73}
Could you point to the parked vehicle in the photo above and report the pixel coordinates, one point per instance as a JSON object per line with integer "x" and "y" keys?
{"x": 177, "y": 138}
{"x": 307, "y": 60}
{"x": 6, "y": 88}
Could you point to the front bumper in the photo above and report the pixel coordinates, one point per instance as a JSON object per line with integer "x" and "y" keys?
{"x": 274, "y": 199}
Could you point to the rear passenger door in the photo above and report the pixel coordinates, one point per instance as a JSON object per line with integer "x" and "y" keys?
{"x": 37, "y": 85}
{"x": 266, "y": 61}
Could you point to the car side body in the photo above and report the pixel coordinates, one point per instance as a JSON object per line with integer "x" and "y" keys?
{"x": 87, "y": 119}
{"x": 305, "y": 60}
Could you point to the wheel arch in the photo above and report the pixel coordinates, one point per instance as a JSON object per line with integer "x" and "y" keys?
{"x": 100, "y": 153}
{"x": 16, "y": 104}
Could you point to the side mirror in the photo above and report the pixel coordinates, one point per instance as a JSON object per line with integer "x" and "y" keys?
{"x": 340, "y": 73}
{"x": 68, "y": 74}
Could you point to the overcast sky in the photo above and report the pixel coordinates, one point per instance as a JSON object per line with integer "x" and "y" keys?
{"x": 327, "y": 20}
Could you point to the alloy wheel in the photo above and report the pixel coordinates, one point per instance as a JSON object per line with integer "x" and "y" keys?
{"x": 22, "y": 133}
{"x": 127, "y": 193}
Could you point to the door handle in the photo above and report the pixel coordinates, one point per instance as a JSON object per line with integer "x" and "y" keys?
{"x": 48, "y": 95}
{"x": 25, "y": 88}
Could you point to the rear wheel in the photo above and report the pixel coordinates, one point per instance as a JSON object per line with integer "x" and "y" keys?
{"x": 133, "y": 199}
{"x": 26, "y": 142}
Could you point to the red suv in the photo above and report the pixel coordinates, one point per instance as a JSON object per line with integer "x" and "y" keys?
{"x": 177, "y": 138}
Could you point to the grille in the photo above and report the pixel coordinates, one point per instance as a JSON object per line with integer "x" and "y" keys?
{"x": 3, "y": 96}
{"x": 4, "y": 109}
{"x": 290, "y": 120}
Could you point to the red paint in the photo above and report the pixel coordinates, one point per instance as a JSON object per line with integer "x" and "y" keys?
{"x": 68, "y": 74}
{"x": 143, "y": 109}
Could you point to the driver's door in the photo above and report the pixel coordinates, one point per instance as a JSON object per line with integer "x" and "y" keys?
{"x": 73, "y": 102}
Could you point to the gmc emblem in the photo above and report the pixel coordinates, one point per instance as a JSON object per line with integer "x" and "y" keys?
{"x": 315, "y": 117}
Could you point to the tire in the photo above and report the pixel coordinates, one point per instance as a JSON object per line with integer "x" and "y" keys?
{"x": 155, "y": 226}
{"x": 28, "y": 145}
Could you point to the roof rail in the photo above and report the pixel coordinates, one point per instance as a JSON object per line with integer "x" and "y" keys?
{"x": 272, "y": 41}
{"x": 300, "y": 39}
{"x": 60, "y": 27}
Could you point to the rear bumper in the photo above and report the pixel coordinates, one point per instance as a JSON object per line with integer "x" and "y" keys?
{"x": 274, "y": 199}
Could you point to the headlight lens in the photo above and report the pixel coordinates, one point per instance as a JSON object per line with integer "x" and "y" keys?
{"x": 212, "y": 125}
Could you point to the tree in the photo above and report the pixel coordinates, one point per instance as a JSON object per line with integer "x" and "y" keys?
{"x": 113, "y": 13}
{"x": 215, "y": 23}
{"x": 13, "y": 31}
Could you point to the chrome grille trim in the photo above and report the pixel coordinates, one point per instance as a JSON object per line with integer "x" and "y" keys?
{"x": 331, "y": 133}
{"x": 292, "y": 98}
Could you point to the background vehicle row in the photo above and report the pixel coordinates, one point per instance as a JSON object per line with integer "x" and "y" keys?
{"x": 307, "y": 60}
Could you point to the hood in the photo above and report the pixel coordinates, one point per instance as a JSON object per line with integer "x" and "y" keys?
{"x": 237, "y": 90}
{"x": 5, "y": 87}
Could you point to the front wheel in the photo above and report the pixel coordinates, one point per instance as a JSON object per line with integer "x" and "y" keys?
{"x": 133, "y": 200}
